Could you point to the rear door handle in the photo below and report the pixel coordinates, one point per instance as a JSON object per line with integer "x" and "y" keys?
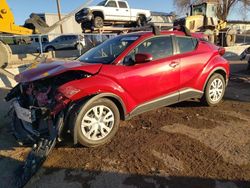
{"x": 174, "y": 64}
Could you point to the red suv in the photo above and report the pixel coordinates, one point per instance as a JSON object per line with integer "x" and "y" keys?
{"x": 123, "y": 77}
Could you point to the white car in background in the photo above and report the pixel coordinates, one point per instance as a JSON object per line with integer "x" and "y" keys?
{"x": 111, "y": 12}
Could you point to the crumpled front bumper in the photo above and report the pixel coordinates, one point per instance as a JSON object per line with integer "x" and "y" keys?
{"x": 84, "y": 18}
{"x": 27, "y": 128}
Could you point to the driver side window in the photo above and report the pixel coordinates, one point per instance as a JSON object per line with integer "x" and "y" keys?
{"x": 159, "y": 47}
{"x": 111, "y": 4}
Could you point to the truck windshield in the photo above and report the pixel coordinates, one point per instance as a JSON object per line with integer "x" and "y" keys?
{"x": 199, "y": 10}
{"x": 101, "y": 3}
{"x": 108, "y": 51}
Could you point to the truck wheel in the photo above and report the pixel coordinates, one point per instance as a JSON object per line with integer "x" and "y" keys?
{"x": 97, "y": 123}
{"x": 214, "y": 91}
{"x": 98, "y": 22}
{"x": 141, "y": 21}
{"x": 85, "y": 26}
{"x": 230, "y": 39}
{"x": 5, "y": 54}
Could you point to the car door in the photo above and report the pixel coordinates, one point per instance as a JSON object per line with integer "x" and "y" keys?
{"x": 124, "y": 11}
{"x": 58, "y": 42}
{"x": 71, "y": 41}
{"x": 112, "y": 11}
{"x": 192, "y": 62}
{"x": 155, "y": 82}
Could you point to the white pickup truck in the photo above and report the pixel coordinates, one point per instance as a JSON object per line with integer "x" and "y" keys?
{"x": 111, "y": 12}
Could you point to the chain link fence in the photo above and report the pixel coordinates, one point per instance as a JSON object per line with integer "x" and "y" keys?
{"x": 59, "y": 45}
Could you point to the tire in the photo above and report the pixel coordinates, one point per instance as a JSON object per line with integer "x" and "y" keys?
{"x": 50, "y": 49}
{"x": 98, "y": 22}
{"x": 141, "y": 21}
{"x": 214, "y": 91}
{"x": 230, "y": 39}
{"x": 98, "y": 133}
{"x": 85, "y": 26}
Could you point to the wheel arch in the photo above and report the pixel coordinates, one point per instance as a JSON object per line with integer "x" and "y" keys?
{"x": 90, "y": 99}
{"x": 98, "y": 13}
{"x": 219, "y": 70}
{"x": 141, "y": 14}
{"x": 50, "y": 46}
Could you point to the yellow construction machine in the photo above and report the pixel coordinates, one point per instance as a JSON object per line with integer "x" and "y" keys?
{"x": 203, "y": 18}
{"x": 34, "y": 25}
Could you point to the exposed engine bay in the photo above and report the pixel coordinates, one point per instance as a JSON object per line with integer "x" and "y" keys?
{"x": 39, "y": 116}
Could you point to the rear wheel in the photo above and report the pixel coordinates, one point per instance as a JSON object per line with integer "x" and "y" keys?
{"x": 141, "y": 21}
{"x": 97, "y": 123}
{"x": 214, "y": 91}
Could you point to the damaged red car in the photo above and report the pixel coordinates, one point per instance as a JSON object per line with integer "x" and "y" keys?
{"x": 122, "y": 77}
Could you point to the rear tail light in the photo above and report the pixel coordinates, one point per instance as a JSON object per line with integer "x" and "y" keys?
{"x": 222, "y": 51}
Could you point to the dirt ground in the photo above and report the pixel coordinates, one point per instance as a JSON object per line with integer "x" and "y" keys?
{"x": 184, "y": 145}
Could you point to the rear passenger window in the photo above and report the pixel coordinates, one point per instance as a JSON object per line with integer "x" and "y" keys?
{"x": 186, "y": 44}
{"x": 122, "y": 4}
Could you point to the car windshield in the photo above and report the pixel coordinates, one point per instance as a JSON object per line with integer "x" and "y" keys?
{"x": 101, "y": 3}
{"x": 108, "y": 51}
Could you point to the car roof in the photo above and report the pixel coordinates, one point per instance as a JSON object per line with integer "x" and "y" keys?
{"x": 175, "y": 32}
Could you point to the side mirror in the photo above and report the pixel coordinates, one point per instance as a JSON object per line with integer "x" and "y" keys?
{"x": 143, "y": 58}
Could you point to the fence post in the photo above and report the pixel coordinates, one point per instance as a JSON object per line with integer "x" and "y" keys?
{"x": 40, "y": 44}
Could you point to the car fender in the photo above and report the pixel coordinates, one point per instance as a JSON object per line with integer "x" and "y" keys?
{"x": 216, "y": 64}
{"x": 93, "y": 11}
{"x": 97, "y": 85}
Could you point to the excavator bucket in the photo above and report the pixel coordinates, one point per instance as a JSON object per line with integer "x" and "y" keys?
{"x": 36, "y": 23}
{"x": 39, "y": 26}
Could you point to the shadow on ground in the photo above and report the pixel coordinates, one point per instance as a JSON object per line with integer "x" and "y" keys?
{"x": 60, "y": 177}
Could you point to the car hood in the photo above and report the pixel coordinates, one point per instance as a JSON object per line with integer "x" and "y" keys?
{"x": 44, "y": 70}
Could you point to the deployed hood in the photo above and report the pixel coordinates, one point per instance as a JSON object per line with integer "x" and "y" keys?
{"x": 44, "y": 70}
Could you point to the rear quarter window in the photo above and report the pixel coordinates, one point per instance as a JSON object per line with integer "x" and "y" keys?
{"x": 186, "y": 44}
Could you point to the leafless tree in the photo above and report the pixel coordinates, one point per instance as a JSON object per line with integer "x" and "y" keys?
{"x": 224, "y": 6}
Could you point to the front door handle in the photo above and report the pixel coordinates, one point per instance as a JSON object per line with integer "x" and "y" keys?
{"x": 174, "y": 64}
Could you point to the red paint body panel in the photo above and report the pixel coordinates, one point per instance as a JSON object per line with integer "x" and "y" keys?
{"x": 45, "y": 70}
{"x": 141, "y": 83}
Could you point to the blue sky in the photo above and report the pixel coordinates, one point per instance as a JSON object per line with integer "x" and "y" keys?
{"x": 22, "y": 9}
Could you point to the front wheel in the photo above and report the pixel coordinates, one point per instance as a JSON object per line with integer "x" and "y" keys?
{"x": 98, "y": 22}
{"x": 214, "y": 91}
{"x": 97, "y": 122}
